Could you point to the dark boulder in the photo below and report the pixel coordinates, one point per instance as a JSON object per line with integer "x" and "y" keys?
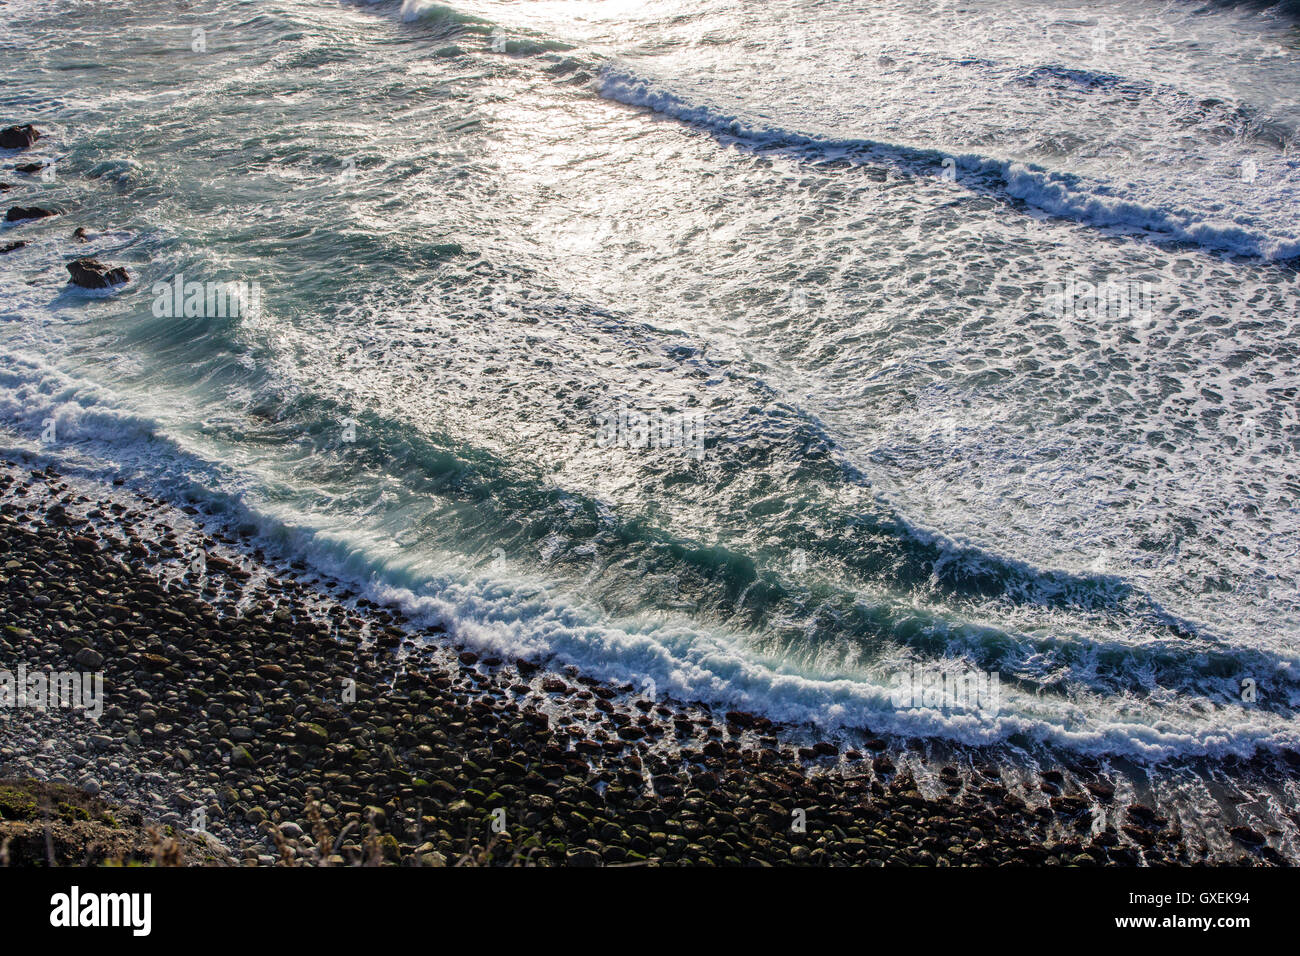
{"x": 20, "y": 213}
{"x": 29, "y": 167}
{"x": 1247, "y": 835}
{"x": 1101, "y": 789}
{"x": 740, "y": 718}
{"x": 11, "y": 246}
{"x": 18, "y": 137}
{"x": 93, "y": 274}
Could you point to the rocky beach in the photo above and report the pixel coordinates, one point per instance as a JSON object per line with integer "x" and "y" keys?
{"x": 258, "y": 717}
{"x": 585, "y": 435}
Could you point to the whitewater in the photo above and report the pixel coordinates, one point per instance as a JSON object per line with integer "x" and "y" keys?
{"x": 983, "y": 312}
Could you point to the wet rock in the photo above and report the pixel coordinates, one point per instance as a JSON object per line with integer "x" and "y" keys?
{"x": 1140, "y": 814}
{"x": 1247, "y": 835}
{"x": 93, "y": 274}
{"x": 19, "y": 137}
{"x": 11, "y": 246}
{"x": 1101, "y": 789}
{"x": 313, "y": 735}
{"x": 1068, "y": 806}
{"x": 89, "y": 658}
{"x": 290, "y": 830}
{"x": 25, "y": 213}
{"x": 1142, "y": 837}
{"x": 740, "y": 719}
{"x": 583, "y": 857}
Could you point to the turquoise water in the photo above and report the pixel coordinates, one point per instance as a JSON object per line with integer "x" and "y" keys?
{"x": 832, "y": 251}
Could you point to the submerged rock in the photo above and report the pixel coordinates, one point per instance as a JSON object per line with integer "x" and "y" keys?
{"x": 93, "y": 274}
{"x": 11, "y": 246}
{"x": 1247, "y": 835}
{"x": 19, "y": 213}
{"x": 18, "y": 137}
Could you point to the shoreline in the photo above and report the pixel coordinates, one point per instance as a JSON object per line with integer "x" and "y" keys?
{"x": 229, "y": 713}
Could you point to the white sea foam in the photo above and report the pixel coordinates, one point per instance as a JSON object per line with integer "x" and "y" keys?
{"x": 1060, "y": 193}
{"x": 1103, "y": 515}
{"x": 503, "y": 612}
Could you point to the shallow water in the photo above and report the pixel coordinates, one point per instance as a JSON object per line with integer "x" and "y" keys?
{"x": 836, "y": 253}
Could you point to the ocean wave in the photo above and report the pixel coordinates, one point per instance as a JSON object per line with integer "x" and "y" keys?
{"x": 447, "y": 22}
{"x": 426, "y": 11}
{"x": 1222, "y": 120}
{"x": 1063, "y": 194}
{"x": 503, "y": 613}
{"x": 502, "y": 608}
